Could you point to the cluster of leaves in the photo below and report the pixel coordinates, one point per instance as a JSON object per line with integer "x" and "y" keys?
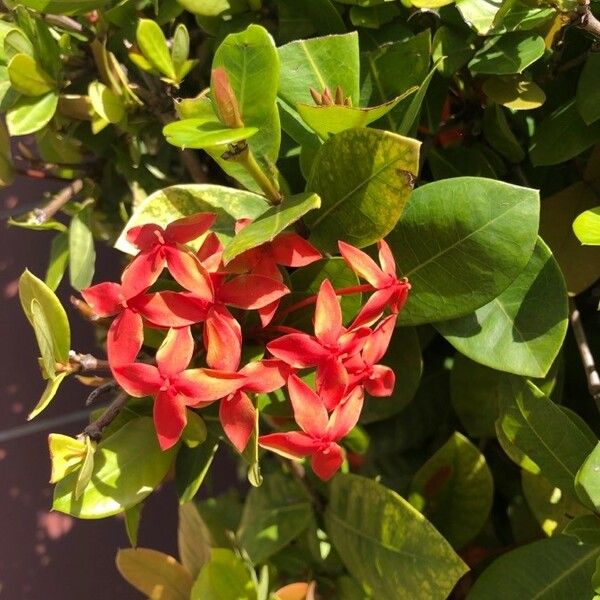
{"x": 325, "y": 126}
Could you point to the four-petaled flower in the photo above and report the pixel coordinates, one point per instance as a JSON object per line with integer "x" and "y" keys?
{"x": 173, "y": 386}
{"x": 320, "y": 431}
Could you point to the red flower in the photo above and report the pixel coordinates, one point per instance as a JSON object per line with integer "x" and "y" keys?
{"x": 327, "y": 350}
{"x": 390, "y": 291}
{"x": 362, "y": 368}
{"x": 164, "y": 247}
{"x": 173, "y": 386}
{"x": 237, "y": 411}
{"x": 320, "y": 432}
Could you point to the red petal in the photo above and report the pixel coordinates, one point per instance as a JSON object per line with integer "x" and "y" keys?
{"x": 210, "y": 253}
{"x": 124, "y": 338}
{"x": 399, "y": 297}
{"x": 251, "y": 291}
{"x": 363, "y": 265}
{"x": 146, "y": 236}
{"x": 104, "y": 298}
{"x": 291, "y": 250}
{"x": 238, "y": 416}
{"x": 386, "y": 259}
{"x": 377, "y": 343}
{"x": 328, "y": 315}
{"x": 381, "y": 383}
{"x": 139, "y": 379}
{"x": 346, "y": 415}
{"x": 266, "y": 313}
{"x": 291, "y": 445}
{"x": 188, "y": 229}
{"x": 188, "y": 272}
{"x": 332, "y": 381}
{"x": 222, "y": 340}
{"x": 171, "y": 309}
{"x": 265, "y": 376}
{"x": 309, "y": 410}
{"x": 143, "y": 271}
{"x": 353, "y": 340}
{"x": 175, "y": 353}
{"x": 207, "y": 385}
{"x": 326, "y": 463}
{"x": 374, "y": 307}
{"x": 298, "y": 350}
{"x": 169, "y": 418}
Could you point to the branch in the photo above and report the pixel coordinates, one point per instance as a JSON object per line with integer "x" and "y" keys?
{"x": 58, "y": 201}
{"x": 94, "y": 430}
{"x": 583, "y": 18}
{"x": 193, "y": 165}
{"x": 593, "y": 378}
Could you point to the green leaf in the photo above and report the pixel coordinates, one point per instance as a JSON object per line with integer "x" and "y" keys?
{"x": 87, "y": 467}
{"x": 585, "y": 528}
{"x": 66, "y": 455}
{"x": 463, "y": 240}
{"x": 514, "y": 92}
{"x": 27, "y": 77}
{"x": 479, "y": 14}
{"x": 105, "y": 102}
{"x": 545, "y": 434}
{"x": 561, "y": 136}
{"x": 311, "y": 17}
{"x": 59, "y": 257}
{"x": 373, "y": 17}
{"x": 550, "y": 569}
{"x": 191, "y": 467}
{"x": 171, "y": 203}
{"x": 511, "y": 333}
{"x": 587, "y": 227}
{"x": 155, "y": 574}
{"x": 221, "y": 515}
{"x": 457, "y": 160}
{"x": 551, "y": 507}
{"x": 387, "y": 545}
{"x": 214, "y": 8}
{"x": 48, "y": 395}
{"x": 16, "y": 42}
{"x": 270, "y": 224}
{"x": 452, "y": 48}
{"x": 197, "y": 133}
{"x": 224, "y": 577}
{"x": 180, "y": 50}
{"x": 329, "y": 120}
{"x": 128, "y": 465}
{"x": 193, "y": 539}
{"x": 133, "y": 518}
{"x": 364, "y": 178}
{"x": 28, "y": 115}
{"x": 7, "y": 170}
{"x": 43, "y": 335}
{"x": 587, "y": 482}
{"x": 31, "y": 288}
{"x": 274, "y": 514}
{"x": 153, "y": 44}
{"x": 499, "y": 136}
{"x": 321, "y": 62}
{"x": 508, "y": 54}
{"x": 410, "y": 121}
{"x": 588, "y": 94}
{"x": 454, "y": 489}
{"x": 82, "y": 252}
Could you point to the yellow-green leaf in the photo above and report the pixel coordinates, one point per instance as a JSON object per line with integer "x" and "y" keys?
{"x": 27, "y": 77}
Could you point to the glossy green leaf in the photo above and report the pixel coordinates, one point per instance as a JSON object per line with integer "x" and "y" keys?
{"x": 128, "y": 465}
{"x": 544, "y": 433}
{"x": 587, "y": 482}
{"x": 364, "y": 178}
{"x": 191, "y": 467}
{"x": 57, "y": 263}
{"x": 321, "y": 62}
{"x": 82, "y": 252}
{"x": 271, "y": 223}
{"x": 561, "y": 136}
{"x": 511, "y": 333}
{"x": 587, "y": 227}
{"x": 515, "y": 93}
{"x": 479, "y": 14}
{"x": 197, "y": 133}
{"x": 550, "y": 569}
{"x": 499, "y": 135}
{"x": 180, "y": 49}
{"x": 214, "y": 8}
{"x": 105, "y": 102}
{"x": 387, "y": 545}
{"x": 27, "y": 77}
{"x": 329, "y": 120}
{"x": 551, "y": 507}
{"x": 48, "y": 395}
{"x": 171, "y": 203}
{"x": 508, "y": 54}
{"x": 585, "y": 528}
{"x": 29, "y": 115}
{"x": 274, "y": 514}
{"x": 44, "y": 336}
{"x": 193, "y": 539}
{"x": 224, "y": 577}
{"x": 452, "y": 48}
{"x": 588, "y": 89}
{"x": 461, "y": 242}
{"x": 155, "y": 574}
{"x": 454, "y": 489}
{"x": 153, "y": 44}
{"x": 31, "y": 288}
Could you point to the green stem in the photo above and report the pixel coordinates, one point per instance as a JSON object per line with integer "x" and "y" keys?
{"x": 246, "y": 159}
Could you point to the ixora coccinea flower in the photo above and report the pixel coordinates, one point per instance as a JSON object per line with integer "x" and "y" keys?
{"x": 320, "y": 432}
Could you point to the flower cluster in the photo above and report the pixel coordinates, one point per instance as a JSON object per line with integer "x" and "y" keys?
{"x": 199, "y": 360}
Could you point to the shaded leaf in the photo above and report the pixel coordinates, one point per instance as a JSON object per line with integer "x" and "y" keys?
{"x": 193, "y": 539}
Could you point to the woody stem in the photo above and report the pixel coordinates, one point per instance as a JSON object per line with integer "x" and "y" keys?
{"x": 94, "y": 430}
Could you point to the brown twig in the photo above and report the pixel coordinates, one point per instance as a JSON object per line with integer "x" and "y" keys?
{"x": 80, "y": 363}
{"x": 593, "y": 378}
{"x": 193, "y": 165}
{"x": 94, "y": 430}
{"x": 583, "y": 18}
{"x": 58, "y": 201}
